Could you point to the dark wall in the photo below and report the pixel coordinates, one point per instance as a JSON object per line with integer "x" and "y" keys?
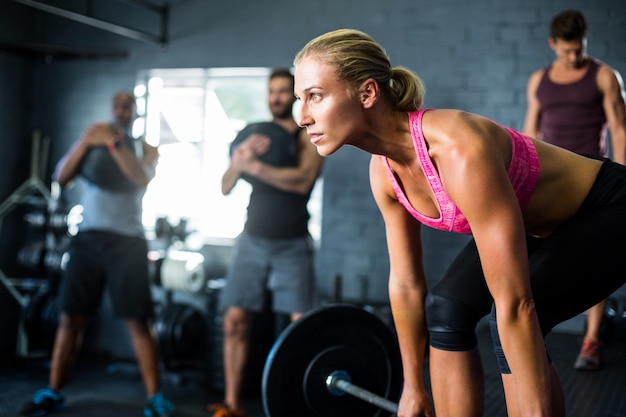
{"x": 475, "y": 56}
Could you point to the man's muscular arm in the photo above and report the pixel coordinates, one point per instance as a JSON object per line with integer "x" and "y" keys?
{"x": 298, "y": 179}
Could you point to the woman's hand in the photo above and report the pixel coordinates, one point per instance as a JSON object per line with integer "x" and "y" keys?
{"x": 414, "y": 404}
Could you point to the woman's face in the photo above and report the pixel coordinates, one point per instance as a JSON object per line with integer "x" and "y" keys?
{"x": 330, "y": 110}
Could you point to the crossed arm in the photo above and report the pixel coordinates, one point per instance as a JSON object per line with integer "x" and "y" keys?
{"x": 298, "y": 179}
{"x": 139, "y": 171}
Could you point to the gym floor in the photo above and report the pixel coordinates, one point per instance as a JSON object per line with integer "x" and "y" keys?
{"x": 98, "y": 388}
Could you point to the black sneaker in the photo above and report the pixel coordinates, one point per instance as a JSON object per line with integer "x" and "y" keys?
{"x": 157, "y": 406}
{"x": 44, "y": 401}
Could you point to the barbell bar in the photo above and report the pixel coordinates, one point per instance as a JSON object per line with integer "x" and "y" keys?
{"x": 338, "y": 383}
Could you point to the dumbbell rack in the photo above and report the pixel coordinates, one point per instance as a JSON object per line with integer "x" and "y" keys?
{"x": 22, "y": 289}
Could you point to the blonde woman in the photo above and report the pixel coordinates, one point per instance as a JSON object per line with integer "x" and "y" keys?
{"x": 541, "y": 218}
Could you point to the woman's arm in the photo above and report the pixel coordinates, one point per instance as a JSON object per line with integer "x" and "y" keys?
{"x": 407, "y": 289}
{"x": 472, "y": 162}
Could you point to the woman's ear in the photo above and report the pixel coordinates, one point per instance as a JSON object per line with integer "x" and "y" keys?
{"x": 369, "y": 93}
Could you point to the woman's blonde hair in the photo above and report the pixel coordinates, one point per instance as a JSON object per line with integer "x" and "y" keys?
{"x": 357, "y": 57}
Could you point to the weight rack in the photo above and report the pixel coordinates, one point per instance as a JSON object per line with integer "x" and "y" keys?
{"x": 22, "y": 288}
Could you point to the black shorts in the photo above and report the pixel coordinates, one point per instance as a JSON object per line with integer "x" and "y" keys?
{"x": 98, "y": 259}
{"x": 578, "y": 265}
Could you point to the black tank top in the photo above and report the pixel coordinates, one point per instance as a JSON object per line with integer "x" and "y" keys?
{"x": 277, "y": 214}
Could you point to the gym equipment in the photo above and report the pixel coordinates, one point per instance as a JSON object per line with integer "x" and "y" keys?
{"x": 32, "y": 192}
{"x": 181, "y": 332}
{"x": 99, "y": 168}
{"x": 183, "y": 270}
{"x": 170, "y": 233}
{"x": 55, "y": 222}
{"x": 283, "y": 150}
{"x": 45, "y": 249}
{"x": 41, "y": 318}
{"x": 329, "y": 352}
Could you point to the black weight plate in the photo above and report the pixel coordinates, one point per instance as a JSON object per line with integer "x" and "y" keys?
{"x": 99, "y": 168}
{"x": 164, "y": 328}
{"x": 364, "y": 373}
{"x": 181, "y": 332}
{"x": 335, "y": 332}
{"x": 188, "y": 333}
{"x": 33, "y": 325}
{"x": 50, "y": 315}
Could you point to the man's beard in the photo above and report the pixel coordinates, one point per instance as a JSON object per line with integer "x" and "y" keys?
{"x": 281, "y": 112}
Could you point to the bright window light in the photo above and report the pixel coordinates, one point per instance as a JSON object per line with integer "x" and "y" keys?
{"x": 192, "y": 115}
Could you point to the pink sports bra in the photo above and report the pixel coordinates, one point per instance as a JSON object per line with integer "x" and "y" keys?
{"x": 523, "y": 173}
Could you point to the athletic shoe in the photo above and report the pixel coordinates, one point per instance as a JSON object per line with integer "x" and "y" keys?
{"x": 157, "y": 406}
{"x": 44, "y": 401}
{"x": 222, "y": 410}
{"x": 589, "y": 358}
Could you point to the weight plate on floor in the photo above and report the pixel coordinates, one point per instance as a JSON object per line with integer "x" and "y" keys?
{"x": 363, "y": 372}
{"x": 188, "y": 333}
{"x": 181, "y": 332}
{"x": 342, "y": 337}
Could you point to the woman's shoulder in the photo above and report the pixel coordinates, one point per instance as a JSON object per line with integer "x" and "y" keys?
{"x": 454, "y": 118}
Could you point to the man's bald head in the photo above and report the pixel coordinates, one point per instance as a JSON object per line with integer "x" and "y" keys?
{"x": 124, "y": 109}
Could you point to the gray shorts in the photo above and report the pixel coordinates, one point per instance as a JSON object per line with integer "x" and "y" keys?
{"x": 282, "y": 266}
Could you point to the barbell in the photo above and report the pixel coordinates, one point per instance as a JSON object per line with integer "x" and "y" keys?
{"x": 329, "y": 352}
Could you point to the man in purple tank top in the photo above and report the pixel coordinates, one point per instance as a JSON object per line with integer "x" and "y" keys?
{"x": 572, "y": 103}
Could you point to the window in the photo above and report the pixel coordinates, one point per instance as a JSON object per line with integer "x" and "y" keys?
{"x": 193, "y": 115}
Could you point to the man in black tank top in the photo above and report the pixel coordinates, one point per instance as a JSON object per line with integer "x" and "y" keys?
{"x": 274, "y": 252}
{"x": 571, "y": 103}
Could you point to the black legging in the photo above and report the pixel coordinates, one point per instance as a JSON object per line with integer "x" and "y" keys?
{"x": 577, "y": 266}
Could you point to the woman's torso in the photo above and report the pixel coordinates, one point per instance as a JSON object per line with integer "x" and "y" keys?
{"x": 564, "y": 178}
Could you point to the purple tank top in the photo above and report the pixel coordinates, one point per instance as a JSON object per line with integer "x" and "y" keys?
{"x": 572, "y": 115}
{"x": 523, "y": 173}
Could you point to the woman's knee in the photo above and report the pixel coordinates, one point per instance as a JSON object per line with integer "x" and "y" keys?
{"x": 451, "y": 323}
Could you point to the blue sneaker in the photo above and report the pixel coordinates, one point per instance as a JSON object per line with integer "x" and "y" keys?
{"x": 45, "y": 401}
{"x": 157, "y": 406}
